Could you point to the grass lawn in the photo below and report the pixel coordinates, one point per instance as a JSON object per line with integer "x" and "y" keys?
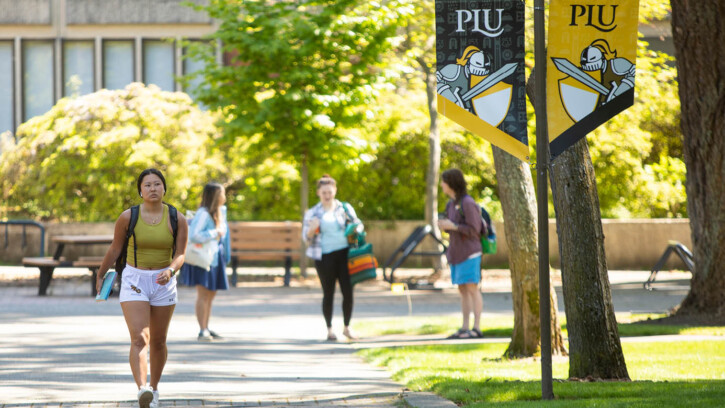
{"x": 678, "y": 373}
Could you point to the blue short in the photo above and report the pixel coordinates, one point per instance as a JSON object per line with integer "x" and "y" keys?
{"x": 468, "y": 271}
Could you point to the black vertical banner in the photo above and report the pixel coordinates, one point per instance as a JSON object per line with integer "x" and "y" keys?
{"x": 480, "y": 69}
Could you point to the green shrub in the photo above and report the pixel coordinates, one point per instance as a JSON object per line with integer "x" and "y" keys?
{"x": 80, "y": 161}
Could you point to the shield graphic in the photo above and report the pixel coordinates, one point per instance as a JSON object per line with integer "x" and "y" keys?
{"x": 578, "y": 99}
{"x": 492, "y": 105}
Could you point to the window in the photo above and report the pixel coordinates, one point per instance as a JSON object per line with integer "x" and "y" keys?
{"x": 6, "y": 86}
{"x": 38, "y": 83}
{"x": 158, "y": 64}
{"x": 118, "y": 64}
{"x": 191, "y": 66}
{"x": 78, "y": 75}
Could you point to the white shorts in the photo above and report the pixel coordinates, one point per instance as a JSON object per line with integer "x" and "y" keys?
{"x": 138, "y": 285}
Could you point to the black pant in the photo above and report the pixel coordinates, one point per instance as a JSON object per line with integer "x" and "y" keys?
{"x": 332, "y": 267}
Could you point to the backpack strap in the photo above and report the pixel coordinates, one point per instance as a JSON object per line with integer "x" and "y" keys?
{"x": 487, "y": 217}
{"x": 174, "y": 218}
{"x": 129, "y": 232}
{"x": 485, "y": 231}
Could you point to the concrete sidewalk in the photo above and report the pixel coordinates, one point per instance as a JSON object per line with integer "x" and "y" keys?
{"x": 66, "y": 349}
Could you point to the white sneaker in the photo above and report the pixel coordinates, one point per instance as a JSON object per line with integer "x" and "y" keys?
{"x": 204, "y": 335}
{"x": 145, "y": 396}
{"x": 155, "y": 402}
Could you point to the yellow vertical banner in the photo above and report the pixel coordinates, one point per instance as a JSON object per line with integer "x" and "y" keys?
{"x": 592, "y": 53}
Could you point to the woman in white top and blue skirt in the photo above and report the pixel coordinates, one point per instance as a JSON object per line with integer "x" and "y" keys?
{"x": 324, "y": 230}
{"x": 209, "y": 224}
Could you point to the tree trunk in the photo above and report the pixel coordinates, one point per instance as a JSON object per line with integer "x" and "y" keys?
{"x": 594, "y": 346}
{"x": 516, "y": 190}
{"x": 434, "y": 163}
{"x": 698, "y": 37}
{"x": 304, "y": 204}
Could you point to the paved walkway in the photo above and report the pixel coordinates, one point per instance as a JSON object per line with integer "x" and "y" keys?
{"x": 66, "y": 349}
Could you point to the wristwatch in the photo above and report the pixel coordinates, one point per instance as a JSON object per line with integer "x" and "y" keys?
{"x": 173, "y": 271}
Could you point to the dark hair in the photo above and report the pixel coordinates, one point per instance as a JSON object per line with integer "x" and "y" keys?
{"x": 454, "y": 179}
{"x": 210, "y": 200}
{"x": 146, "y": 173}
{"x": 326, "y": 180}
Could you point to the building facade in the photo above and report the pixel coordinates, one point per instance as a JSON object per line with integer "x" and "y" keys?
{"x": 50, "y": 49}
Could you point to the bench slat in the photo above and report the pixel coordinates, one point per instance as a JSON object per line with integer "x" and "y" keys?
{"x": 91, "y": 258}
{"x": 264, "y": 232}
{"x": 88, "y": 264}
{"x": 259, "y": 228}
{"x": 271, "y": 240}
{"x": 264, "y": 238}
{"x": 277, "y": 228}
{"x": 280, "y": 246}
{"x": 264, "y": 256}
{"x": 265, "y": 224}
{"x": 42, "y": 261}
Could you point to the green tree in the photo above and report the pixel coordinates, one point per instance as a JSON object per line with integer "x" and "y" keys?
{"x": 79, "y": 161}
{"x": 637, "y": 155}
{"x": 386, "y": 178}
{"x": 418, "y": 60}
{"x": 393, "y": 170}
{"x": 296, "y": 73}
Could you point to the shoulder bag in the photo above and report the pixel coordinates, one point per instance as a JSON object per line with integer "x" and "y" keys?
{"x": 201, "y": 254}
{"x": 361, "y": 262}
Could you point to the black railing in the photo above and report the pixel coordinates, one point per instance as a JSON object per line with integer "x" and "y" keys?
{"x": 25, "y": 224}
{"x": 672, "y": 247}
{"x": 406, "y": 249}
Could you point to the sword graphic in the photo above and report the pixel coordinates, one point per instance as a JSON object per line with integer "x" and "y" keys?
{"x": 563, "y": 65}
{"x": 490, "y": 81}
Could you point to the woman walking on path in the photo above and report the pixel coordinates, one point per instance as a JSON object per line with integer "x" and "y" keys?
{"x": 324, "y": 230}
{"x": 148, "y": 287}
{"x": 209, "y": 224}
{"x": 463, "y": 223}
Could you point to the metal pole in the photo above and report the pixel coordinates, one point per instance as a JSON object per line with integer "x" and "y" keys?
{"x": 542, "y": 195}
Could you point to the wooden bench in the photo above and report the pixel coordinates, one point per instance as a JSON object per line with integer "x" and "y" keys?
{"x": 265, "y": 241}
{"x": 46, "y": 265}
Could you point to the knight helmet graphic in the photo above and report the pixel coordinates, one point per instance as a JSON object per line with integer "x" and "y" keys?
{"x": 470, "y": 84}
{"x": 602, "y": 77}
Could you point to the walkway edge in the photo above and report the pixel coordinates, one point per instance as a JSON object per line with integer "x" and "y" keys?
{"x": 426, "y": 400}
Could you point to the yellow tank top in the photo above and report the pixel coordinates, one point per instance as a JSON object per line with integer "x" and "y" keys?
{"x": 154, "y": 244}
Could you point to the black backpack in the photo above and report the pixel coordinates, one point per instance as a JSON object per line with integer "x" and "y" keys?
{"x": 121, "y": 260}
{"x": 491, "y": 231}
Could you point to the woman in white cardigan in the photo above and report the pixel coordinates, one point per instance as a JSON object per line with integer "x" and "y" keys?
{"x": 209, "y": 224}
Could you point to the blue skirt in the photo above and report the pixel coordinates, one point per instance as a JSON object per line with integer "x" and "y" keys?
{"x": 468, "y": 271}
{"x": 213, "y": 279}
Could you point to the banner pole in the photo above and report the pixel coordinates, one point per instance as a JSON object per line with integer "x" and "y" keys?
{"x": 542, "y": 195}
